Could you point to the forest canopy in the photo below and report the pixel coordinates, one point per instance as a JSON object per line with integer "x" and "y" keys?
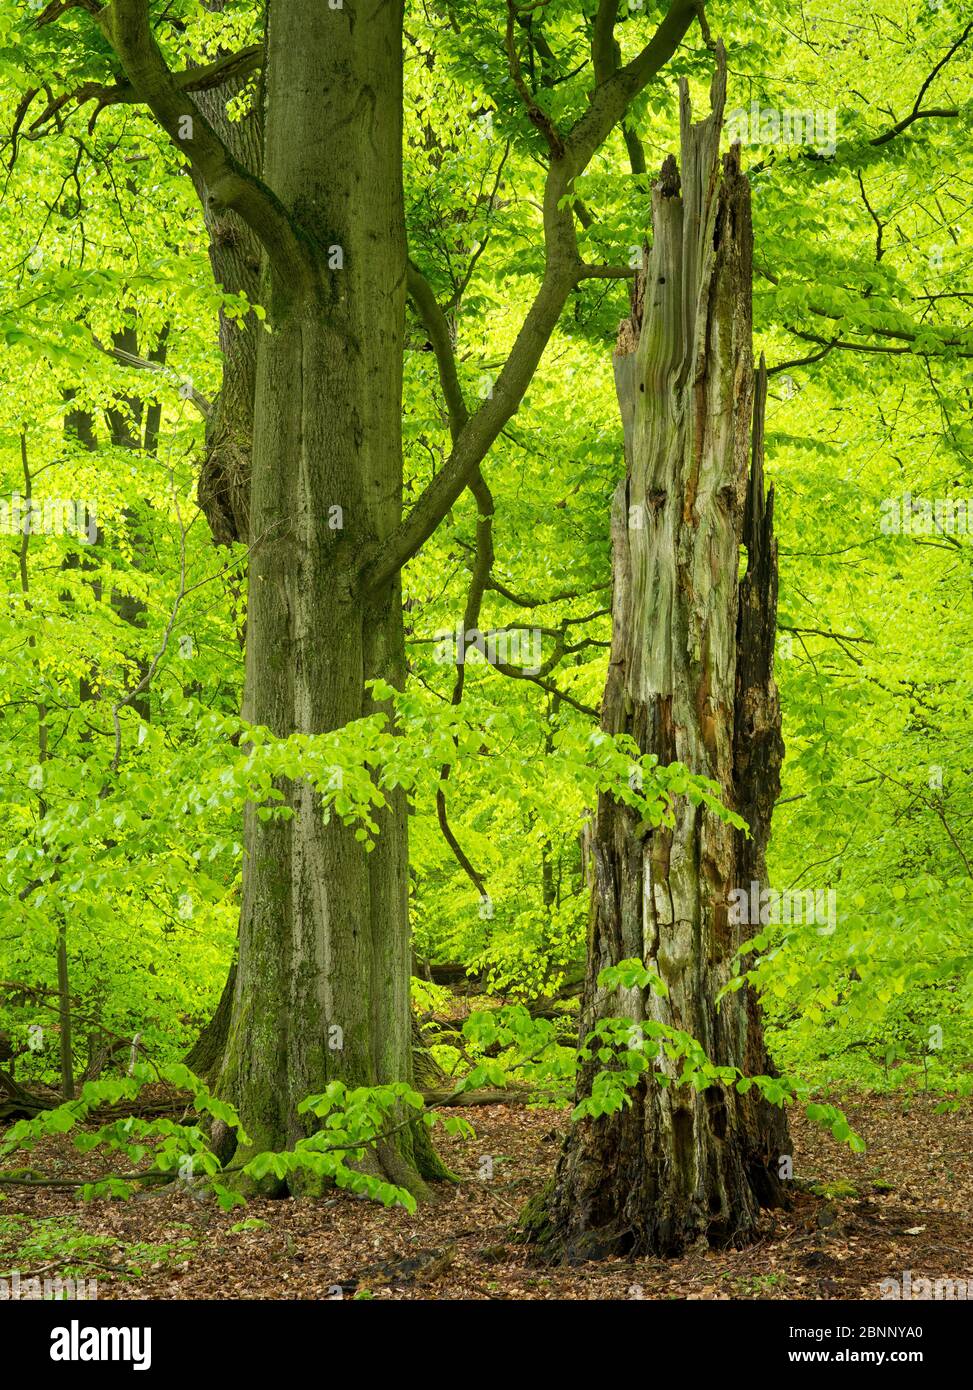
{"x": 401, "y": 662}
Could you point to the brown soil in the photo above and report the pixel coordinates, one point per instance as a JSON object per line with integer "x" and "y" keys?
{"x": 904, "y": 1204}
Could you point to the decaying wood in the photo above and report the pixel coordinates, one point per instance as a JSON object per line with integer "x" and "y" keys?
{"x": 691, "y": 680}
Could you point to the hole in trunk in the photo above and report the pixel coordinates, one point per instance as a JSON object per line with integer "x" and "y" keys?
{"x": 682, "y": 1142}
{"x": 716, "y": 1111}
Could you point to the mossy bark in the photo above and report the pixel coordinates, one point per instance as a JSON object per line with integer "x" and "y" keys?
{"x": 303, "y": 463}
{"x": 322, "y": 983}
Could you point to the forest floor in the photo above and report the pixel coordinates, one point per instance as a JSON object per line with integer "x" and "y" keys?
{"x": 905, "y": 1204}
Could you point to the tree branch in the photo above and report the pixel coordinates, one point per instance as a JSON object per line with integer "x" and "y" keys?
{"x": 606, "y": 57}
{"x": 915, "y": 114}
{"x": 953, "y": 337}
{"x": 802, "y": 361}
{"x": 437, "y": 326}
{"x": 125, "y": 24}
{"x": 603, "y": 59}
{"x": 610, "y": 100}
{"x": 606, "y": 272}
{"x": 517, "y": 674}
{"x": 471, "y": 617}
{"x": 539, "y": 117}
{"x": 844, "y": 346}
{"x": 201, "y": 79}
{"x": 129, "y": 359}
{"x": 562, "y": 268}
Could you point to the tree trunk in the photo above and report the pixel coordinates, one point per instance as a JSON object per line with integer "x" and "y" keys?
{"x": 691, "y": 679}
{"x": 225, "y": 476}
{"x": 322, "y": 984}
{"x": 205, "y": 1057}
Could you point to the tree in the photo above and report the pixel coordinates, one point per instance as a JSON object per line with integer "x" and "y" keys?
{"x": 322, "y": 984}
{"x": 122, "y": 856}
{"x": 690, "y": 679}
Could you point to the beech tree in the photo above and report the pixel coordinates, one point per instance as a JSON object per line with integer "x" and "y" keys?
{"x": 338, "y": 292}
{"x": 324, "y": 932}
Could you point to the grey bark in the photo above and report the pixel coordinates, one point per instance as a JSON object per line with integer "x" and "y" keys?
{"x": 324, "y": 937}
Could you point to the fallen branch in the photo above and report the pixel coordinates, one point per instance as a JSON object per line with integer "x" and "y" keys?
{"x": 512, "y": 1096}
